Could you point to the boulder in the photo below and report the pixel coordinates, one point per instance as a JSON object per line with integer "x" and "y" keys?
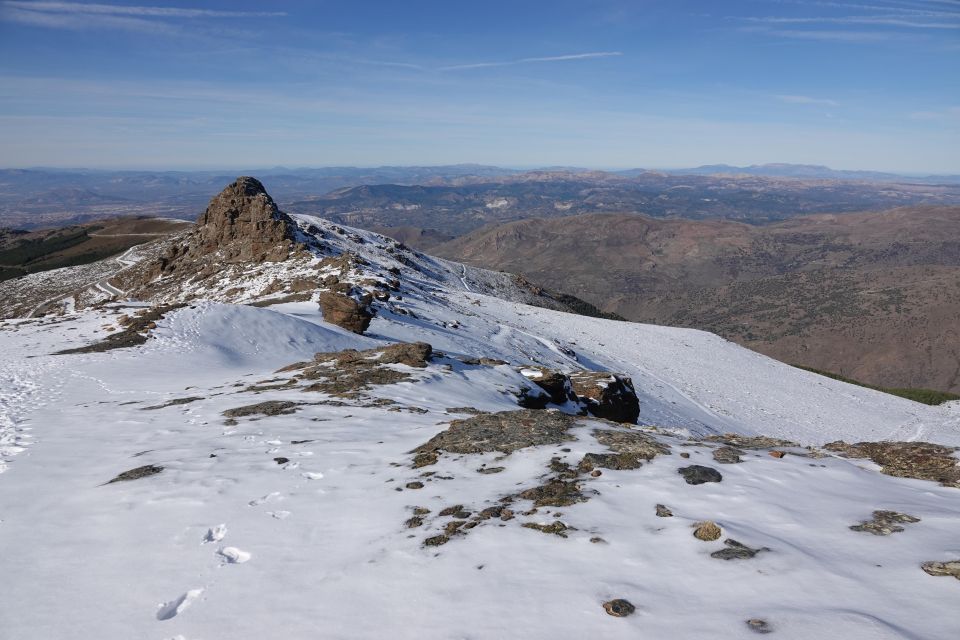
{"x": 345, "y": 312}
{"x": 556, "y": 384}
{"x": 607, "y": 395}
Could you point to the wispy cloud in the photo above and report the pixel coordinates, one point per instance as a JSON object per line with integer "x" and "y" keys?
{"x": 124, "y": 10}
{"x": 506, "y": 63}
{"x": 882, "y": 21}
{"x": 830, "y": 35}
{"x": 790, "y": 99}
{"x": 79, "y": 16}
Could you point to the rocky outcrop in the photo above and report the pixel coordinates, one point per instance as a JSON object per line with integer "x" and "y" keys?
{"x": 920, "y": 460}
{"x": 607, "y": 395}
{"x": 244, "y": 224}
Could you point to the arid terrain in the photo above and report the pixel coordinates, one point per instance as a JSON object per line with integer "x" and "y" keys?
{"x": 872, "y": 296}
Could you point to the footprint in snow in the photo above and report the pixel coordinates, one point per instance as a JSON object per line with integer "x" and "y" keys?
{"x": 279, "y": 515}
{"x": 215, "y": 534}
{"x": 262, "y": 499}
{"x": 176, "y": 606}
{"x": 312, "y": 475}
{"x": 232, "y": 555}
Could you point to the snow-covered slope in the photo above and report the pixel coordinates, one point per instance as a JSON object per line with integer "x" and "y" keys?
{"x": 301, "y": 522}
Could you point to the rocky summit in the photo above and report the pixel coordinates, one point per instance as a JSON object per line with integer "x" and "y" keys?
{"x": 273, "y": 425}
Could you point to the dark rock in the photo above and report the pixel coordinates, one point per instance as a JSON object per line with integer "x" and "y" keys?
{"x": 532, "y": 398}
{"x": 619, "y": 608}
{"x": 608, "y": 395}
{"x": 414, "y": 522}
{"x": 555, "y": 384}
{"x": 414, "y": 485}
{"x": 727, "y": 455}
{"x": 269, "y": 408}
{"x": 698, "y": 474}
{"x": 171, "y": 403}
{"x": 505, "y": 432}
{"x": 736, "y": 551}
{"x": 345, "y": 312}
{"x": 281, "y": 460}
{"x": 137, "y": 473}
{"x": 490, "y": 470}
{"x": 663, "y": 511}
{"x": 758, "y": 626}
{"x": 884, "y": 523}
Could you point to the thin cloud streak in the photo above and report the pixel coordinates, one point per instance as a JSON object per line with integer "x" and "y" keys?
{"x": 506, "y": 63}
{"x": 886, "y": 21}
{"x": 143, "y": 11}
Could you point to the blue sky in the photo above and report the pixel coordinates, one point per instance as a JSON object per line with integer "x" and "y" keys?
{"x": 866, "y": 84}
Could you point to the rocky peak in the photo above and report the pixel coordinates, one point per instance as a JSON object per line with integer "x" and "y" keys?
{"x": 245, "y": 225}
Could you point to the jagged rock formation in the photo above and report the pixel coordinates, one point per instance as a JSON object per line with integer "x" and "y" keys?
{"x": 241, "y": 224}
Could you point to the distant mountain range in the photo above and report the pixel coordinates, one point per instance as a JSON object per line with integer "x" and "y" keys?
{"x": 36, "y": 198}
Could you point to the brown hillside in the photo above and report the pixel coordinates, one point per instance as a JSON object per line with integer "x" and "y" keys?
{"x": 874, "y": 296}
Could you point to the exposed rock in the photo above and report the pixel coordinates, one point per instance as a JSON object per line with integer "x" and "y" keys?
{"x": 663, "y": 511}
{"x": 727, "y": 455}
{"x": 412, "y": 354}
{"x": 346, "y": 373}
{"x": 884, "y": 523}
{"x": 557, "y": 528}
{"x": 171, "y": 403}
{"x": 777, "y": 454}
{"x": 642, "y": 445}
{"x": 608, "y": 395}
{"x": 269, "y": 408}
{"x": 436, "y": 541}
{"x": 707, "y": 531}
{"x": 949, "y": 568}
{"x": 137, "y": 473}
{"x": 135, "y": 332}
{"x": 920, "y": 460}
{"x": 736, "y": 551}
{"x": 617, "y": 461}
{"x": 758, "y": 626}
{"x": 619, "y": 608}
{"x": 242, "y": 223}
{"x": 344, "y": 311}
{"x": 505, "y": 432}
{"x": 555, "y": 493}
{"x": 532, "y": 398}
{"x": 749, "y": 442}
{"x": 414, "y": 485}
{"x": 698, "y": 474}
{"x": 556, "y": 384}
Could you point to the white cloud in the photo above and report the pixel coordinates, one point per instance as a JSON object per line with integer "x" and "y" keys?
{"x": 882, "y": 21}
